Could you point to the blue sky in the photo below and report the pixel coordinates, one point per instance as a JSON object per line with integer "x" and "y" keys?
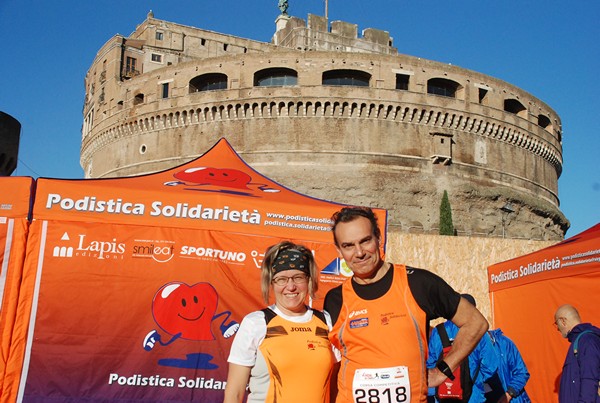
{"x": 546, "y": 47}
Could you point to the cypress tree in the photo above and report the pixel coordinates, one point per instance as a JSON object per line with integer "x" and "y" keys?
{"x": 446, "y": 226}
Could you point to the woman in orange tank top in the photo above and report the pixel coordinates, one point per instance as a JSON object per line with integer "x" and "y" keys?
{"x": 282, "y": 352}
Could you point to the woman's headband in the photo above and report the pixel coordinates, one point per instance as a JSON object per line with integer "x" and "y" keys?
{"x": 291, "y": 259}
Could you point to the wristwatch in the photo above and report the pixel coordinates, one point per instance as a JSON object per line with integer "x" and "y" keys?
{"x": 511, "y": 392}
{"x": 445, "y": 369}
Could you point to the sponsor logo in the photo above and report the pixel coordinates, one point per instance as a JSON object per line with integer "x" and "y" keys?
{"x": 82, "y": 246}
{"x": 338, "y": 267}
{"x": 356, "y": 313}
{"x": 160, "y": 251}
{"x": 63, "y": 250}
{"x": 257, "y": 257}
{"x": 301, "y": 329}
{"x": 358, "y": 323}
{"x": 202, "y": 253}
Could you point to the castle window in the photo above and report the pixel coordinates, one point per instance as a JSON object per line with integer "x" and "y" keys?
{"x": 355, "y": 78}
{"x": 156, "y": 58}
{"x": 159, "y": 36}
{"x": 443, "y": 87}
{"x": 402, "y": 81}
{"x": 442, "y": 148}
{"x": 543, "y": 121}
{"x": 208, "y": 82}
{"x": 138, "y": 99}
{"x": 516, "y": 107}
{"x": 165, "y": 90}
{"x": 130, "y": 67}
{"x": 275, "y": 77}
{"x": 482, "y": 95}
{"x": 202, "y": 41}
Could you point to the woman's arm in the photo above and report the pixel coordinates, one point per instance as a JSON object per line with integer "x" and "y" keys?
{"x": 237, "y": 379}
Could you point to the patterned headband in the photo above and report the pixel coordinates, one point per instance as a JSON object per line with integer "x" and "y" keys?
{"x": 290, "y": 259}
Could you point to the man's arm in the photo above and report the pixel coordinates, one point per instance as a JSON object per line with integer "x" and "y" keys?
{"x": 472, "y": 326}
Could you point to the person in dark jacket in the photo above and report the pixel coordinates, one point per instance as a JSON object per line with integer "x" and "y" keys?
{"x": 580, "y": 379}
{"x": 511, "y": 368}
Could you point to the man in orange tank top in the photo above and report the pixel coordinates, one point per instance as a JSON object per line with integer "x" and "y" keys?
{"x": 381, "y": 319}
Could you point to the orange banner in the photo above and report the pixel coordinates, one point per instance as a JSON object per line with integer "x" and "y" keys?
{"x": 149, "y": 312}
{"x": 577, "y": 255}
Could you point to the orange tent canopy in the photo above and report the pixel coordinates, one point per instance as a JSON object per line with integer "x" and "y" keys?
{"x": 15, "y": 196}
{"x": 15, "y": 202}
{"x": 141, "y": 281}
{"x": 525, "y": 293}
{"x": 215, "y": 191}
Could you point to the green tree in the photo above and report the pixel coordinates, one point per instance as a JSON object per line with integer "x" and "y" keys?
{"x": 446, "y": 226}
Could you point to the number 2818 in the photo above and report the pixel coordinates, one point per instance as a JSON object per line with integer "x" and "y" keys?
{"x": 380, "y": 396}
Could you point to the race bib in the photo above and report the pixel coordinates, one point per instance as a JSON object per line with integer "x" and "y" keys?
{"x": 381, "y": 385}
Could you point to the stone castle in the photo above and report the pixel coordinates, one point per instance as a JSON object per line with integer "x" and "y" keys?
{"x": 334, "y": 115}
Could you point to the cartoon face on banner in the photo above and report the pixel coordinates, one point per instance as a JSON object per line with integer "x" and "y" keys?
{"x": 188, "y": 312}
{"x": 227, "y": 178}
{"x": 184, "y": 309}
{"x": 224, "y": 177}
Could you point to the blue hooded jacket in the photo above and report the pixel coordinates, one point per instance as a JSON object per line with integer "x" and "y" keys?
{"x": 511, "y": 367}
{"x": 581, "y": 373}
{"x": 482, "y": 356}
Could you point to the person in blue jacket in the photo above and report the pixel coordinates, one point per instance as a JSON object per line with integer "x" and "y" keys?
{"x": 580, "y": 379}
{"x": 511, "y": 368}
{"x": 482, "y": 361}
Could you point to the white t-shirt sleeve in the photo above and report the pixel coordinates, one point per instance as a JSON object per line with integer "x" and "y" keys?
{"x": 247, "y": 339}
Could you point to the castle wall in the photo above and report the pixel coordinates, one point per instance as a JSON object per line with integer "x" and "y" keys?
{"x": 378, "y": 145}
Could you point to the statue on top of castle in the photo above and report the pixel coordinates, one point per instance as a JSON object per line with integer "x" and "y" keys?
{"x": 283, "y": 6}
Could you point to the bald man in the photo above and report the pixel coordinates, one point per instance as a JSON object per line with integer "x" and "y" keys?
{"x": 580, "y": 379}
